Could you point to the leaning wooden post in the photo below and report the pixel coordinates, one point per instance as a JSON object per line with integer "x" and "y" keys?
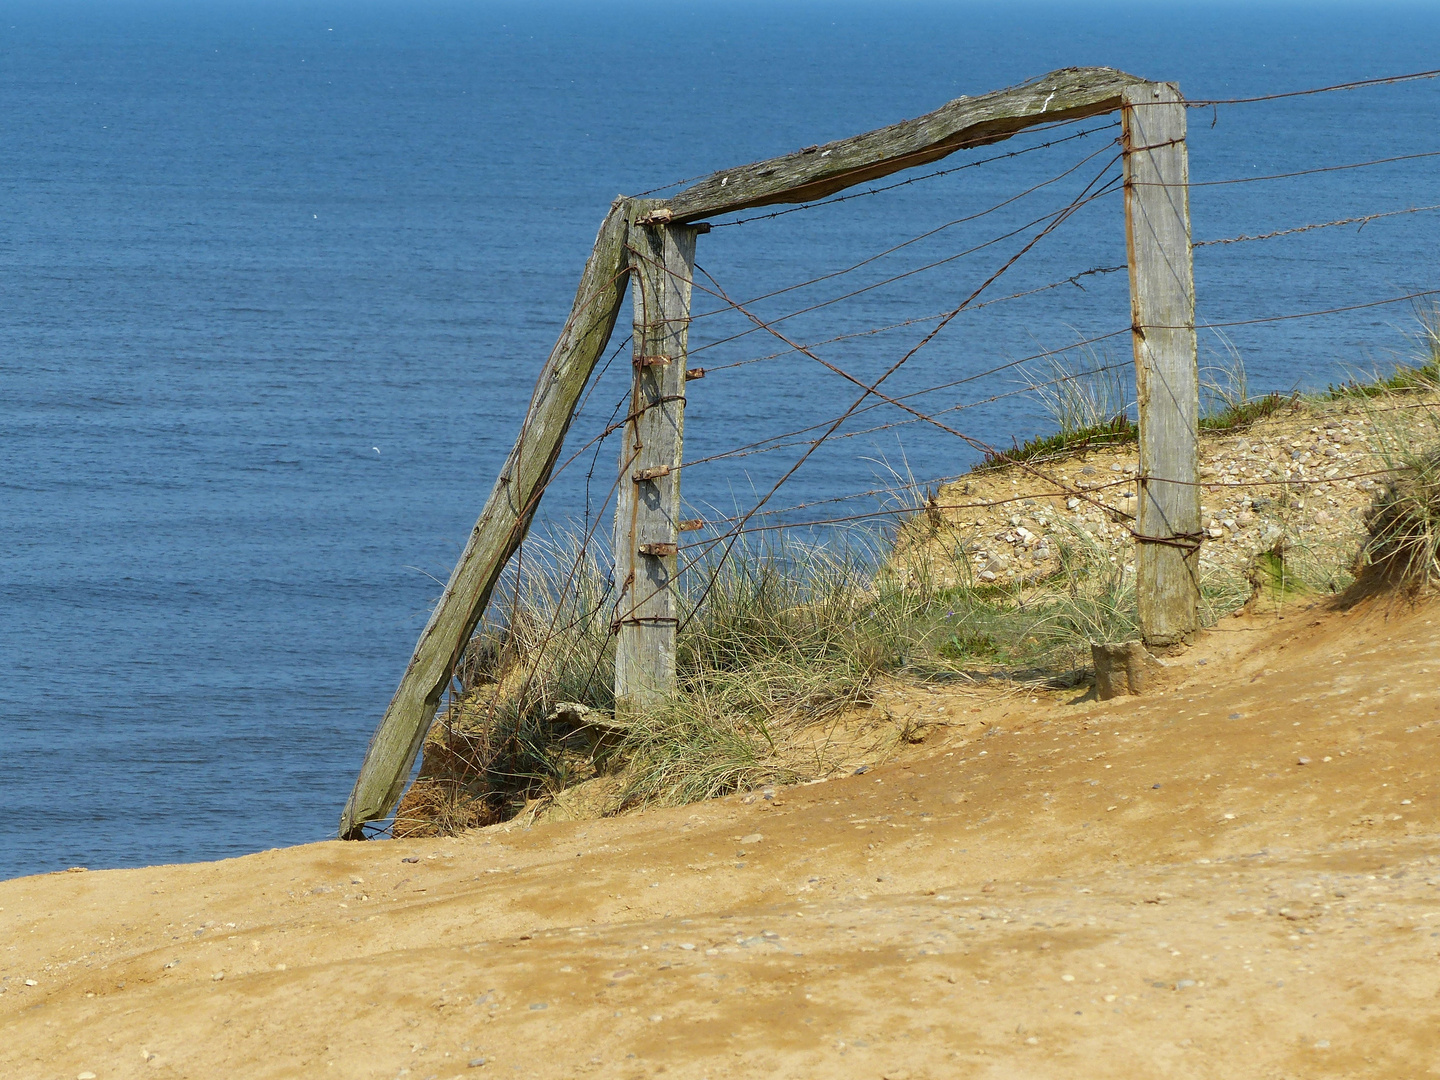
{"x": 502, "y": 525}
{"x": 647, "y": 513}
{"x": 1162, "y": 307}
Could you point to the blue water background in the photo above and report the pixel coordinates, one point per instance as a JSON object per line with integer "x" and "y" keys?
{"x": 276, "y": 280}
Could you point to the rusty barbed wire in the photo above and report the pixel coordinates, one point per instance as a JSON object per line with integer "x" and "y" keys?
{"x": 1362, "y": 221}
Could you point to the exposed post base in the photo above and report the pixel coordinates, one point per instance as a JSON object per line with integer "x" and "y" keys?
{"x": 1123, "y": 668}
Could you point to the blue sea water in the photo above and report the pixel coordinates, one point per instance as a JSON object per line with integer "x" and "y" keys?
{"x": 276, "y": 280}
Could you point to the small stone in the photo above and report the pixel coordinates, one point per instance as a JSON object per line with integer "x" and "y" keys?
{"x": 86, "y": 1075}
{"x": 1302, "y": 761}
{"x": 655, "y": 1018}
{"x": 475, "y": 1063}
{"x": 688, "y": 947}
{"x": 31, "y": 982}
{"x": 1032, "y": 1041}
{"x": 219, "y": 976}
{"x": 1067, "y": 978}
{"x": 1322, "y": 1044}
{"x": 1184, "y": 984}
{"x": 753, "y": 838}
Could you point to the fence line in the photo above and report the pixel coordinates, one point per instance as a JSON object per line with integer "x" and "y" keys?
{"x": 761, "y": 516}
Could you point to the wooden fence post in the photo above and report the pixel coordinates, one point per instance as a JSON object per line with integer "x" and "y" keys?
{"x": 497, "y": 534}
{"x": 647, "y": 511}
{"x": 1162, "y": 307}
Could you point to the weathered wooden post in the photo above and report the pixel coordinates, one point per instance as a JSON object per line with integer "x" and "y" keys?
{"x": 647, "y": 510}
{"x": 498, "y": 532}
{"x": 1162, "y": 310}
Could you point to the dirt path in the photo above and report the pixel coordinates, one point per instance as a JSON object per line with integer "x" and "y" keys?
{"x": 1237, "y": 877}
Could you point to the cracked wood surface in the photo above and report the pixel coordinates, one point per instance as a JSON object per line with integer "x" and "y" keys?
{"x": 1061, "y": 96}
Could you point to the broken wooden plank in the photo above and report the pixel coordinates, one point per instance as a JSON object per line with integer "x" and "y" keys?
{"x": 497, "y": 534}
{"x": 812, "y": 173}
{"x": 1162, "y": 306}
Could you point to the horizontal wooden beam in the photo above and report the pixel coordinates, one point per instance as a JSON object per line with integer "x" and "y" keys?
{"x": 817, "y": 171}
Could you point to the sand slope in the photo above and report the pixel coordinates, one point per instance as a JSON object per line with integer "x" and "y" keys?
{"x": 1154, "y": 887}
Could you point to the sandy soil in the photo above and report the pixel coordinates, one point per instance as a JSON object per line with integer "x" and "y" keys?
{"x": 1237, "y": 876}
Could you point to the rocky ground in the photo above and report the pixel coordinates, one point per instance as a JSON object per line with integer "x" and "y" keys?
{"x": 1305, "y": 474}
{"x": 1234, "y": 876}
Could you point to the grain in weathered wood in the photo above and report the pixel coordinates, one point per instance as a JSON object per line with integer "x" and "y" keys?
{"x": 647, "y": 515}
{"x": 812, "y": 173}
{"x": 497, "y": 534}
{"x": 1162, "y": 304}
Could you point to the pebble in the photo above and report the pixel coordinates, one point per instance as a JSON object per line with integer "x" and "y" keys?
{"x": 475, "y": 1063}
{"x": 753, "y": 838}
{"x": 1302, "y": 761}
{"x": 1323, "y": 1044}
{"x": 87, "y": 1075}
{"x": 656, "y": 1018}
{"x": 219, "y": 976}
{"x": 31, "y": 982}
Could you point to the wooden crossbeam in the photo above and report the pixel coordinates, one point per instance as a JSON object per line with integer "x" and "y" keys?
{"x": 817, "y": 171}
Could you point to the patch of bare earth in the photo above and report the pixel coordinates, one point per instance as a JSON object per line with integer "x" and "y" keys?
{"x": 1235, "y": 876}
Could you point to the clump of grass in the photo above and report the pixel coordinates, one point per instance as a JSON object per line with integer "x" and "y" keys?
{"x": 780, "y": 641}
{"x": 1421, "y": 375}
{"x": 780, "y": 638}
{"x": 1114, "y": 432}
{"x": 1402, "y": 547}
{"x": 1089, "y": 402}
{"x": 1090, "y": 406}
{"x": 1232, "y": 417}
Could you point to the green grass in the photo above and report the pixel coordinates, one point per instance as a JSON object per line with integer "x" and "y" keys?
{"x": 786, "y": 640}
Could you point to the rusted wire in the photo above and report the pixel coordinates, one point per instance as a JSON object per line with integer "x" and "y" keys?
{"x": 1290, "y": 175}
{"x": 1073, "y": 279}
{"x": 1362, "y": 221}
{"x": 923, "y": 236}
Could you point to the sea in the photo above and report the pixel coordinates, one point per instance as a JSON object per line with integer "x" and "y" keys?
{"x": 276, "y": 280}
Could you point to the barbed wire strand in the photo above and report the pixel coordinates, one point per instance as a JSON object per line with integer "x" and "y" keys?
{"x": 1073, "y": 279}
{"x": 917, "y": 179}
{"x": 1362, "y": 221}
{"x": 1108, "y": 189}
{"x": 1205, "y": 103}
{"x": 964, "y": 219}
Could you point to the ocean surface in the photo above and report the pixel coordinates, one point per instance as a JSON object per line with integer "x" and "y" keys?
{"x": 276, "y": 281}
